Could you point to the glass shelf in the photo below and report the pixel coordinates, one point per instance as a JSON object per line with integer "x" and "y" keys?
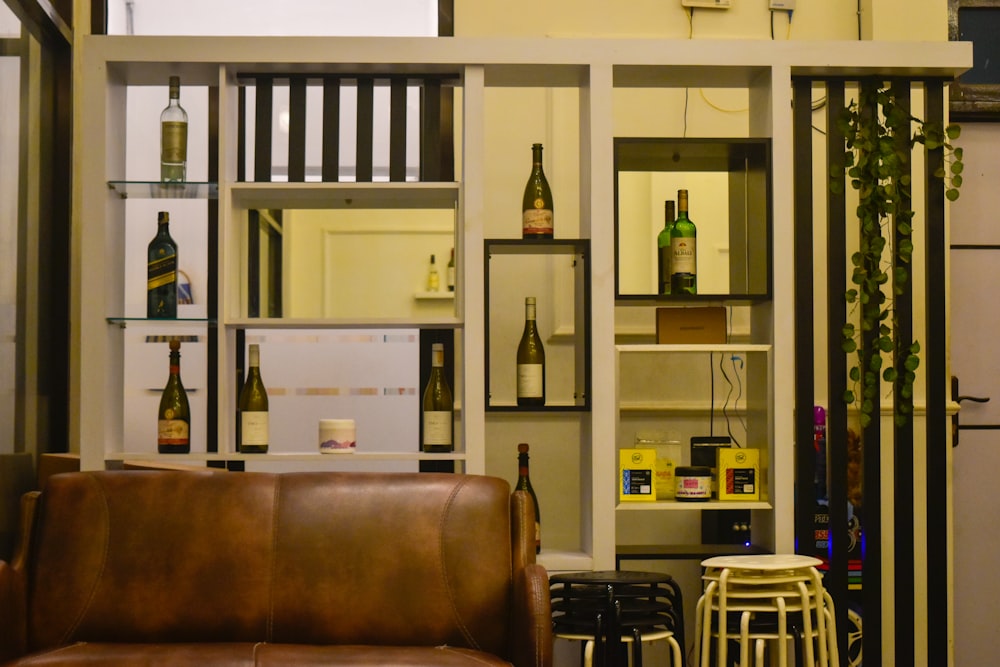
{"x": 123, "y": 321}
{"x": 161, "y": 190}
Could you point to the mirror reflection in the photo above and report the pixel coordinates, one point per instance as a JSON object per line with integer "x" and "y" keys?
{"x": 350, "y": 263}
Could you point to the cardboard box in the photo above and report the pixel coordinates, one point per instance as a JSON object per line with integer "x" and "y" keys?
{"x": 691, "y": 325}
{"x": 636, "y": 475}
{"x": 739, "y": 474}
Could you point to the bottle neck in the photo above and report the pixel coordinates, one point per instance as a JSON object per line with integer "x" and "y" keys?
{"x": 437, "y": 359}
{"x": 522, "y": 465}
{"x": 175, "y": 363}
{"x": 529, "y": 312}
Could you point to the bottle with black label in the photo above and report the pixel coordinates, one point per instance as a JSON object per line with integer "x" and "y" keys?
{"x": 161, "y": 272}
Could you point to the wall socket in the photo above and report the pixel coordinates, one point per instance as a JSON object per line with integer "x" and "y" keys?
{"x": 711, "y": 4}
{"x": 784, "y": 5}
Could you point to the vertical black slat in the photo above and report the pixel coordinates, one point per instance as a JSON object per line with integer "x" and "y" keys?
{"x": 262, "y": 129}
{"x": 446, "y": 18}
{"x": 871, "y": 546}
{"x": 904, "y": 607}
{"x": 253, "y": 263}
{"x": 447, "y": 139}
{"x": 241, "y": 134}
{"x": 239, "y": 378}
{"x": 297, "y": 129}
{"x": 936, "y": 356}
{"x": 366, "y": 119}
{"x": 397, "y": 129}
{"x": 836, "y": 415}
{"x": 212, "y": 291}
{"x": 274, "y": 266}
{"x": 331, "y": 129}
{"x": 805, "y": 458}
{"x": 99, "y": 17}
{"x": 430, "y": 130}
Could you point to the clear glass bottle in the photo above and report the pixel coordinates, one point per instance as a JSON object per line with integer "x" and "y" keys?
{"x": 173, "y": 429}
{"x": 161, "y": 272}
{"x": 530, "y": 360}
{"x": 524, "y": 484}
{"x": 664, "y": 249}
{"x": 254, "y": 422}
{"x": 537, "y": 210}
{"x": 173, "y": 136}
{"x": 684, "y": 246}
{"x": 438, "y": 406}
{"x": 433, "y": 277}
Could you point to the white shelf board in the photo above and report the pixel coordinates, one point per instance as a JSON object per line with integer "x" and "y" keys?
{"x": 565, "y": 561}
{"x": 342, "y": 323}
{"x": 675, "y": 506}
{"x": 293, "y": 456}
{"x": 697, "y": 348}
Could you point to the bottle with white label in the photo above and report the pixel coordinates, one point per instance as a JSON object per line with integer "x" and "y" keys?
{"x": 173, "y": 136}
{"x": 438, "y": 406}
{"x": 684, "y": 250}
{"x": 254, "y": 429}
{"x": 530, "y": 361}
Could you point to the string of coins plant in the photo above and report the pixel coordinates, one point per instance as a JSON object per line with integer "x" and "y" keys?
{"x": 877, "y": 132}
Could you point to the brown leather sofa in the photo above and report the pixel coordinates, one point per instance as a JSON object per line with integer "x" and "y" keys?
{"x": 192, "y": 568}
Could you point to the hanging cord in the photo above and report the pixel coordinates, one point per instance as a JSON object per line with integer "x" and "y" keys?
{"x": 711, "y": 406}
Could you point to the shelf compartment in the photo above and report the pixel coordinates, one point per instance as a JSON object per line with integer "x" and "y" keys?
{"x": 161, "y": 190}
{"x": 730, "y": 192}
{"x": 557, "y": 273}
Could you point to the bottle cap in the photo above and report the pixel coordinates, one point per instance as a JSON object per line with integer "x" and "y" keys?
{"x": 175, "y": 344}
{"x": 163, "y": 216}
{"x": 819, "y": 416}
{"x": 529, "y": 300}
{"x": 523, "y": 448}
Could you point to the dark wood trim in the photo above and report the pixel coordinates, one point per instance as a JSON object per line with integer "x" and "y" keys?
{"x": 971, "y": 101}
{"x": 397, "y": 128}
{"x": 212, "y": 290}
{"x": 262, "y": 129}
{"x": 43, "y": 21}
{"x": 365, "y": 130}
{"x": 430, "y": 131}
{"x": 331, "y": 130}
{"x": 297, "y": 129}
{"x": 836, "y": 412}
{"x": 938, "y": 424}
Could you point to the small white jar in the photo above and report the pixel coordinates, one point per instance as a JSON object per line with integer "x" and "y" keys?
{"x": 337, "y": 436}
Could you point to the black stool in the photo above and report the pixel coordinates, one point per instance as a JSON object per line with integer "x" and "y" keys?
{"x": 607, "y": 609}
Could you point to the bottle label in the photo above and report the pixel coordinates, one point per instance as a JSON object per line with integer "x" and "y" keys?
{"x": 253, "y": 428}
{"x": 537, "y": 221}
{"x": 538, "y": 535}
{"x": 451, "y": 278}
{"x": 173, "y": 142}
{"x": 172, "y": 432}
{"x": 529, "y": 381}
{"x": 682, "y": 258}
{"x": 161, "y": 272}
{"x": 437, "y": 427}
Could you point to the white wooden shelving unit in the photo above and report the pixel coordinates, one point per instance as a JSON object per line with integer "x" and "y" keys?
{"x": 596, "y": 68}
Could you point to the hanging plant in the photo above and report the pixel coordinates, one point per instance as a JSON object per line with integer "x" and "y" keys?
{"x": 879, "y": 142}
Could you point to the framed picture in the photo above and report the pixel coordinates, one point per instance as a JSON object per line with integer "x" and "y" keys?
{"x": 976, "y": 94}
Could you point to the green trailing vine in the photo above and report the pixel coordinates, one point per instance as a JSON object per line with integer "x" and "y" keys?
{"x": 880, "y": 134}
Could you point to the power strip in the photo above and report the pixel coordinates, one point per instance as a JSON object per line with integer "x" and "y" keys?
{"x": 783, "y": 5}
{"x": 711, "y": 4}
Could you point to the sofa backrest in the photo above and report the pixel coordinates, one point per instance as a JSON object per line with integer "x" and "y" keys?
{"x": 320, "y": 558}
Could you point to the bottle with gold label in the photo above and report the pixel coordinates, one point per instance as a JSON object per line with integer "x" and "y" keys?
{"x": 161, "y": 271}
{"x": 173, "y": 136}
{"x": 536, "y": 207}
{"x": 173, "y": 432}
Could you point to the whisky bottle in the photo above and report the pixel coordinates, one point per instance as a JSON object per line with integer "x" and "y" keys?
{"x": 161, "y": 272}
{"x": 173, "y": 430}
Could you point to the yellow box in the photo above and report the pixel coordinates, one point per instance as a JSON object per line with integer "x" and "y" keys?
{"x": 739, "y": 473}
{"x": 637, "y": 475}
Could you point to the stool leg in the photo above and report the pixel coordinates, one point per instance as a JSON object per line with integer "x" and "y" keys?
{"x": 759, "y": 650}
{"x": 677, "y": 659}
{"x": 782, "y": 634}
{"x": 745, "y": 639}
{"x": 636, "y": 648}
{"x": 588, "y": 653}
{"x": 831, "y": 630}
{"x": 723, "y": 616}
{"x": 807, "y": 629}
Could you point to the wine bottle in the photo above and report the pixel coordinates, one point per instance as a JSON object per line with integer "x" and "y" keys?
{"x": 684, "y": 256}
{"x": 173, "y": 136}
{"x": 524, "y": 484}
{"x": 664, "y": 249}
{"x": 253, "y": 408}
{"x": 438, "y": 406}
{"x": 537, "y": 209}
{"x": 161, "y": 271}
{"x": 173, "y": 429}
{"x": 451, "y": 272}
{"x": 530, "y": 360}
{"x": 433, "y": 277}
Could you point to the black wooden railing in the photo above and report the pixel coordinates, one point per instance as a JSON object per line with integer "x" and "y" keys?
{"x": 900, "y": 445}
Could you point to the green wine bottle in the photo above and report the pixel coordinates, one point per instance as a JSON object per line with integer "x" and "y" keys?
{"x": 530, "y": 360}
{"x": 536, "y": 207}
{"x": 161, "y": 271}
{"x": 173, "y": 431}
{"x": 664, "y": 249}
{"x": 524, "y": 484}
{"x": 254, "y": 435}
{"x": 684, "y": 255}
{"x": 438, "y": 406}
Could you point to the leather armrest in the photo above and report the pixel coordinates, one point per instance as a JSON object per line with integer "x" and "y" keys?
{"x": 13, "y": 586}
{"x": 531, "y": 643}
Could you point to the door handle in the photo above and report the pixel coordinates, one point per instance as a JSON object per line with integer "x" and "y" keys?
{"x": 958, "y": 398}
